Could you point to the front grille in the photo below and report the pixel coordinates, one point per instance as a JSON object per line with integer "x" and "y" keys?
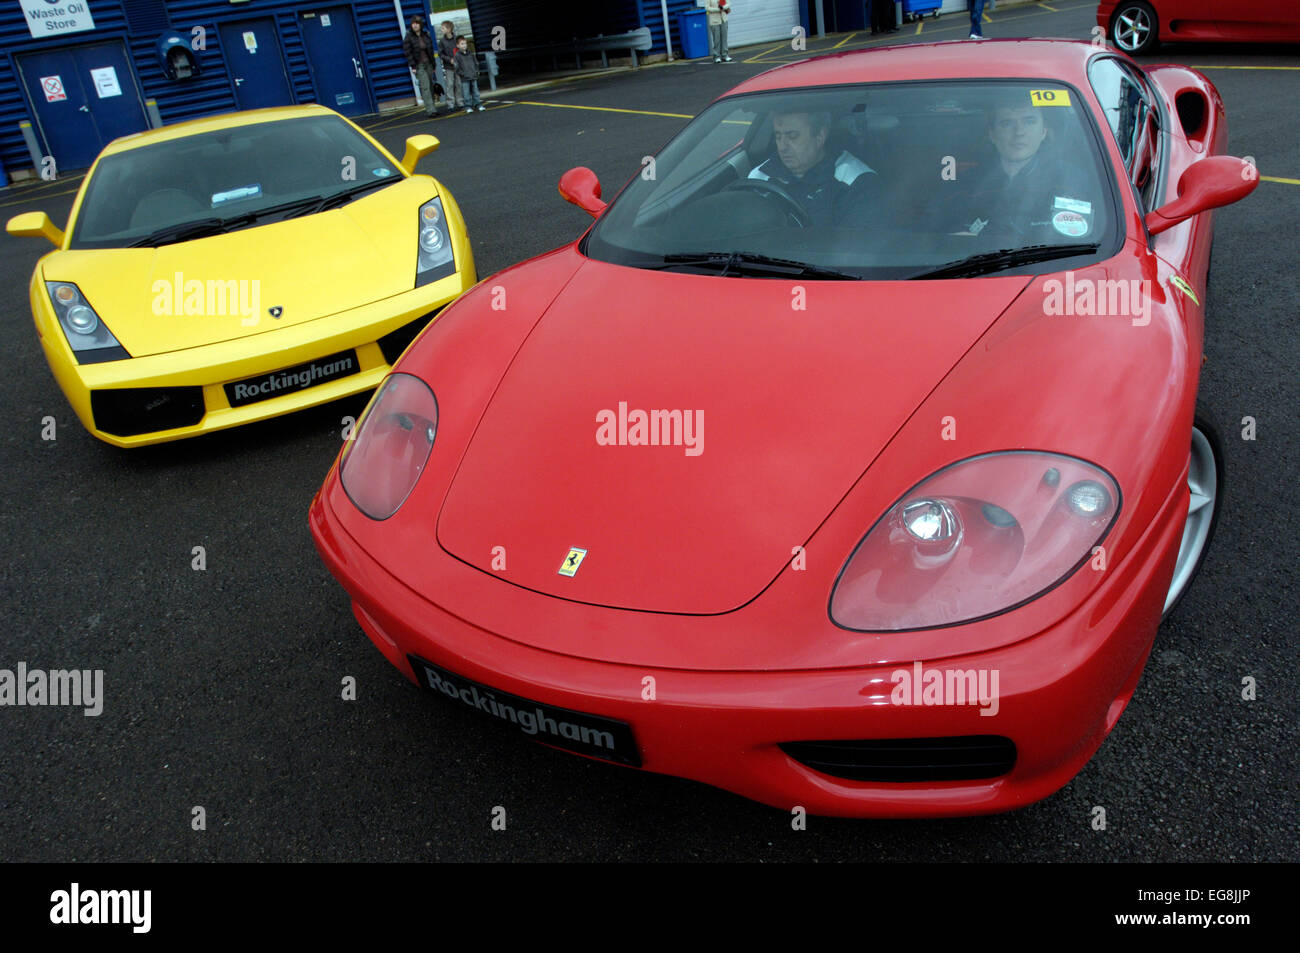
{"x": 395, "y": 342}
{"x": 130, "y": 411}
{"x": 898, "y": 760}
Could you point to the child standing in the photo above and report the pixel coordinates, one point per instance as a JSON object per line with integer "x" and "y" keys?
{"x": 467, "y": 76}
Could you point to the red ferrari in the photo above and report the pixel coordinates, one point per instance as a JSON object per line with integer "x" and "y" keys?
{"x": 1136, "y": 26}
{"x": 849, "y": 461}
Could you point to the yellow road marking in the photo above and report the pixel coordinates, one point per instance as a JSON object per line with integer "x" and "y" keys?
{"x": 755, "y": 57}
{"x": 1274, "y": 178}
{"x": 919, "y": 24}
{"x": 1046, "y": 7}
{"x": 26, "y": 200}
{"x": 424, "y": 120}
{"x": 605, "y": 109}
{"x": 843, "y": 41}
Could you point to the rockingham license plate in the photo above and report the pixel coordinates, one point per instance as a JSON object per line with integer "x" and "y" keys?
{"x": 592, "y": 735}
{"x": 292, "y": 379}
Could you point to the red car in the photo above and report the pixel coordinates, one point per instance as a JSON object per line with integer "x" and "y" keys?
{"x": 849, "y": 461}
{"x": 1136, "y": 26}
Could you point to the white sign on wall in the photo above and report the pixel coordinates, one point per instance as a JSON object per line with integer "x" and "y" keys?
{"x": 52, "y": 86}
{"x": 53, "y": 17}
{"x": 106, "y": 84}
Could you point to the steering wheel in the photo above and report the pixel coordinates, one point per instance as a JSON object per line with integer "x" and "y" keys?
{"x": 771, "y": 187}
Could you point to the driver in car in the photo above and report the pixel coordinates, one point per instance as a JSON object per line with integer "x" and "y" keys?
{"x": 819, "y": 183}
{"x": 1028, "y": 194}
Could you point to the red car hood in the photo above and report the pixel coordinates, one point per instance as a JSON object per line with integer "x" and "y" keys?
{"x": 790, "y": 392}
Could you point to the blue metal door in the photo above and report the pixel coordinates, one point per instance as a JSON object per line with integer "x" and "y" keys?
{"x": 335, "y": 59}
{"x": 110, "y": 90}
{"x": 252, "y": 49}
{"x": 83, "y": 98}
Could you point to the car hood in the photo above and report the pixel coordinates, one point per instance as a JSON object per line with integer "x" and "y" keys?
{"x": 222, "y": 287}
{"x": 791, "y": 390}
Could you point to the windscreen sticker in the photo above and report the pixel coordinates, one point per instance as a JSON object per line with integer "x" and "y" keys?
{"x": 1070, "y": 223}
{"x": 234, "y": 195}
{"x": 1073, "y": 205}
{"x": 382, "y": 172}
{"x": 1049, "y": 97}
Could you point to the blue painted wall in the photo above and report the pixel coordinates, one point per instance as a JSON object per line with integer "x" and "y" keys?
{"x": 139, "y": 23}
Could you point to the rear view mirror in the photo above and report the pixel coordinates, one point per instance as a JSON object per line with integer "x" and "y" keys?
{"x": 417, "y": 147}
{"x": 1207, "y": 183}
{"x": 581, "y": 187}
{"x": 34, "y": 224}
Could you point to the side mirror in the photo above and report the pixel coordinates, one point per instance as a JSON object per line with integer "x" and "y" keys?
{"x": 417, "y": 147}
{"x": 33, "y": 225}
{"x": 1207, "y": 183}
{"x": 581, "y": 187}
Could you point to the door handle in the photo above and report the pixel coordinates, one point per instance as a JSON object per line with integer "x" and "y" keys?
{"x": 239, "y": 80}
{"x": 84, "y": 109}
{"x": 356, "y": 65}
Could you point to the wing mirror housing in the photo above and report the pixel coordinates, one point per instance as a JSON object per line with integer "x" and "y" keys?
{"x": 33, "y": 225}
{"x": 1207, "y": 183}
{"x": 417, "y": 147}
{"x": 581, "y": 187}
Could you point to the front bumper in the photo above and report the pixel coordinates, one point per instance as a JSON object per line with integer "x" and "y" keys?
{"x": 207, "y": 369}
{"x": 1060, "y": 690}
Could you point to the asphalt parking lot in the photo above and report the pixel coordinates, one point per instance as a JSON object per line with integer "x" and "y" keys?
{"x": 223, "y": 686}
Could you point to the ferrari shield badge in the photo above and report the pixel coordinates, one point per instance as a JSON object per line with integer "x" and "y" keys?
{"x": 572, "y": 561}
{"x": 1185, "y": 288}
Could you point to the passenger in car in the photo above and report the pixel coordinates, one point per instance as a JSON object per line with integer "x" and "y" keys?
{"x": 1028, "y": 194}
{"x": 821, "y": 184}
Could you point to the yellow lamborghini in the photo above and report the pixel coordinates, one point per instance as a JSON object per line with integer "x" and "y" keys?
{"x": 235, "y": 268}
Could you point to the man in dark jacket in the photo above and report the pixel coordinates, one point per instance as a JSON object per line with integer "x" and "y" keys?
{"x": 1029, "y": 194}
{"x": 418, "y": 47}
{"x": 825, "y": 186}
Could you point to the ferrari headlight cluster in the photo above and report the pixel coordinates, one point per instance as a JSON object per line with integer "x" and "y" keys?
{"x": 391, "y": 445}
{"x": 977, "y": 538}
{"x": 435, "y": 244}
{"x": 88, "y": 336}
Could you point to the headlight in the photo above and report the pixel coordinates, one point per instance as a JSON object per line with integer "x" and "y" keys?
{"x": 91, "y": 341}
{"x": 975, "y": 539}
{"x": 435, "y": 258}
{"x": 391, "y": 445}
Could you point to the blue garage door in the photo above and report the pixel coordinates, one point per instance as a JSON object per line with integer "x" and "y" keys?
{"x": 84, "y": 98}
{"x": 335, "y": 59}
{"x": 252, "y": 49}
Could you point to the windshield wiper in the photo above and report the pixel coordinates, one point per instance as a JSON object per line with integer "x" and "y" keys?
{"x": 322, "y": 202}
{"x": 213, "y": 226}
{"x": 181, "y": 232}
{"x": 990, "y": 261}
{"x": 738, "y": 263}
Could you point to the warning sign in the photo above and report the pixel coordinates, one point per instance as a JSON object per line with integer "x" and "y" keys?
{"x": 53, "y": 88}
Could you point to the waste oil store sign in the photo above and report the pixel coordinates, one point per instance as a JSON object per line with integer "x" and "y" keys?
{"x": 52, "y": 17}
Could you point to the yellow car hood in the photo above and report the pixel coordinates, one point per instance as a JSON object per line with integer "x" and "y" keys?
{"x": 221, "y": 287}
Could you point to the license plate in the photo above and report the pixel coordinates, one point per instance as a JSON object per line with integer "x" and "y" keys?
{"x": 592, "y": 735}
{"x": 291, "y": 379}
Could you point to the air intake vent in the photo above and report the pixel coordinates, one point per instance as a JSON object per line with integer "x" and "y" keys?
{"x": 898, "y": 760}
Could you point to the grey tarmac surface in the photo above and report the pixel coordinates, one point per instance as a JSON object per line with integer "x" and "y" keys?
{"x": 223, "y": 686}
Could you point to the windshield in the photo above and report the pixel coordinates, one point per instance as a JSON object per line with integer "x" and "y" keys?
{"x": 226, "y": 179}
{"x": 891, "y": 180}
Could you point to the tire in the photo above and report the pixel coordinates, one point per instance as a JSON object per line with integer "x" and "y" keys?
{"x": 1205, "y": 478}
{"x": 1135, "y": 28}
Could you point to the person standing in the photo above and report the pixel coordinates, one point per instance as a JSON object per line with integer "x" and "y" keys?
{"x": 976, "y": 19}
{"x": 447, "y": 64}
{"x": 466, "y": 66}
{"x": 718, "y": 11}
{"x": 882, "y": 17}
{"x": 418, "y": 47}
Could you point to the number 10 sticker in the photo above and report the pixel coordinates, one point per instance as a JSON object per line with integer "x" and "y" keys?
{"x": 1049, "y": 97}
